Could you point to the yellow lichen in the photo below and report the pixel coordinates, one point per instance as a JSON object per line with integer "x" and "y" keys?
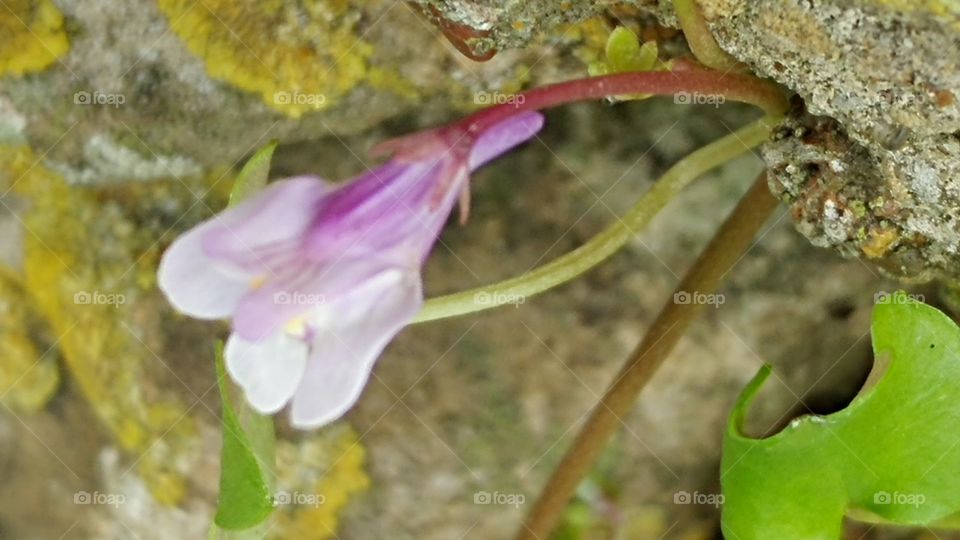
{"x": 946, "y": 10}
{"x": 311, "y": 501}
{"x": 879, "y": 242}
{"x": 82, "y": 262}
{"x": 391, "y": 80}
{"x": 31, "y": 36}
{"x": 28, "y": 379}
{"x": 299, "y": 56}
{"x": 590, "y": 37}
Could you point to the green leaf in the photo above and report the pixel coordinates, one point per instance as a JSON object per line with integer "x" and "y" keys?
{"x": 247, "y": 456}
{"x": 623, "y": 46}
{"x": 253, "y": 176}
{"x": 246, "y": 461}
{"x": 892, "y": 456}
{"x": 624, "y": 52}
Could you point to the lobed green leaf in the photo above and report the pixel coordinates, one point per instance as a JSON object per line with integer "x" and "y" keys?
{"x": 892, "y": 456}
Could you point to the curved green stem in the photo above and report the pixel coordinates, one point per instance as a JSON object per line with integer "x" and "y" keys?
{"x": 699, "y": 38}
{"x": 608, "y": 241}
{"x": 727, "y": 247}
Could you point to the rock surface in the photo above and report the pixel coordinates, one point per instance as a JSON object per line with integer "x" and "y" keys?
{"x": 887, "y": 72}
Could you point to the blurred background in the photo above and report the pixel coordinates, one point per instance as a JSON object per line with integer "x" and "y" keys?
{"x": 122, "y": 124}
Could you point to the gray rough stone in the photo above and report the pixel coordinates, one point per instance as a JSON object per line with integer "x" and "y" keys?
{"x": 899, "y": 209}
{"x": 887, "y": 72}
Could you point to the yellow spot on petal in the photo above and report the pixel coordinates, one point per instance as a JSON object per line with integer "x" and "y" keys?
{"x": 31, "y": 36}
{"x": 296, "y": 327}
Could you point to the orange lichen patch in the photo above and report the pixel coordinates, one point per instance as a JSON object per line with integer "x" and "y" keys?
{"x": 879, "y": 242}
{"x": 944, "y": 98}
{"x": 31, "y": 36}
{"x": 299, "y": 56}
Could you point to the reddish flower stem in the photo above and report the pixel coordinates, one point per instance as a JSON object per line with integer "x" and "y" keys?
{"x": 686, "y": 79}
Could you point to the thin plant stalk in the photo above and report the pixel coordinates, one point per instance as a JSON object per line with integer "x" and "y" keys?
{"x": 608, "y": 241}
{"x": 725, "y": 249}
{"x": 685, "y": 78}
{"x": 699, "y": 38}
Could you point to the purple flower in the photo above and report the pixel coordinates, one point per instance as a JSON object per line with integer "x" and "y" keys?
{"x": 318, "y": 278}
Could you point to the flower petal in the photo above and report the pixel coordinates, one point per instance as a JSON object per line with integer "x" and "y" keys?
{"x": 269, "y": 371}
{"x": 393, "y": 222}
{"x": 346, "y": 347}
{"x": 263, "y": 232}
{"x": 504, "y": 136}
{"x": 194, "y": 283}
{"x": 395, "y": 205}
{"x": 306, "y": 286}
{"x": 206, "y": 272}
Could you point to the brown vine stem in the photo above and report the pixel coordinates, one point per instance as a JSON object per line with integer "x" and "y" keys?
{"x": 725, "y": 249}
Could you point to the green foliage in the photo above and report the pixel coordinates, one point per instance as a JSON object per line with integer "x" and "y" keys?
{"x": 625, "y": 53}
{"x": 892, "y": 456}
{"x": 246, "y": 460}
{"x": 247, "y": 457}
{"x": 253, "y": 176}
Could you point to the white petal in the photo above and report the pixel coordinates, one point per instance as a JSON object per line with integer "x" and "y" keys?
{"x": 344, "y": 350}
{"x": 194, "y": 283}
{"x": 208, "y": 270}
{"x": 269, "y": 371}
